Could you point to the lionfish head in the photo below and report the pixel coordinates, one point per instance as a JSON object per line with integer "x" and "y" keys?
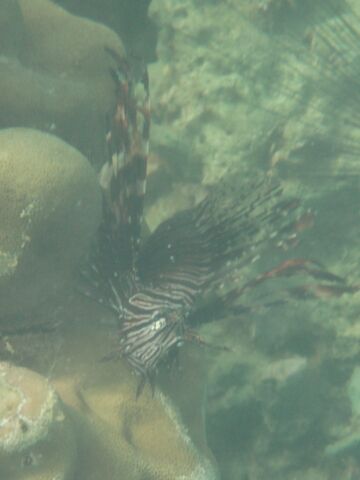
{"x": 146, "y": 342}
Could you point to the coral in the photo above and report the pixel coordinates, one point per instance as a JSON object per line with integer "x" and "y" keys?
{"x": 55, "y": 73}
{"x": 36, "y": 437}
{"x": 11, "y": 28}
{"x": 126, "y": 17}
{"x": 111, "y": 434}
{"x": 158, "y": 436}
{"x": 50, "y": 208}
{"x": 55, "y": 77}
{"x": 224, "y": 93}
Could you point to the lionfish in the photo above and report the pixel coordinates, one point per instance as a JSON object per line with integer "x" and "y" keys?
{"x": 155, "y": 285}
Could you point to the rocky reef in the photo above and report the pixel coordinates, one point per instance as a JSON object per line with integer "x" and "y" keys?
{"x": 271, "y": 86}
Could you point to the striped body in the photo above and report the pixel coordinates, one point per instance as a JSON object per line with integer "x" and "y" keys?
{"x": 149, "y": 332}
{"x": 187, "y": 255}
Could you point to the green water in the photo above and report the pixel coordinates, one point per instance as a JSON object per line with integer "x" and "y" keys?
{"x": 241, "y": 89}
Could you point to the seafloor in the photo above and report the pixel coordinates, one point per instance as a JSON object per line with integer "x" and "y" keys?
{"x": 251, "y": 85}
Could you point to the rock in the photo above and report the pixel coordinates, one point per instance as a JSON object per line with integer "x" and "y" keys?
{"x": 55, "y": 73}
{"x": 211, "y": 61}
{"x": 50, "y": 209}
{"x": 36, "y": 437}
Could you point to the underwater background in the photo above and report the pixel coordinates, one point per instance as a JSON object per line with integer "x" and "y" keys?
{"x": 260, "y": 87}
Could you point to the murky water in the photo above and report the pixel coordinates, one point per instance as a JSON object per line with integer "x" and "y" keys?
{"x": 254, "y": 108}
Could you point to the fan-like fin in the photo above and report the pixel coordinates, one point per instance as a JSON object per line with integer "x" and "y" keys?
{"x": 123, "y": 176}
{"x": 123, "y": 183}
{"x": 193, "y": 249}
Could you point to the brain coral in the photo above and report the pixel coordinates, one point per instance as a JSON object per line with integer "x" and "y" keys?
{"x": 36, "y": 437}
{"x": 55, "y": 72}
{"x": 50, "y": 207}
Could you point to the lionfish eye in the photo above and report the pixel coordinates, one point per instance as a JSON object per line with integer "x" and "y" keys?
{"x": 159, "y": 324}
